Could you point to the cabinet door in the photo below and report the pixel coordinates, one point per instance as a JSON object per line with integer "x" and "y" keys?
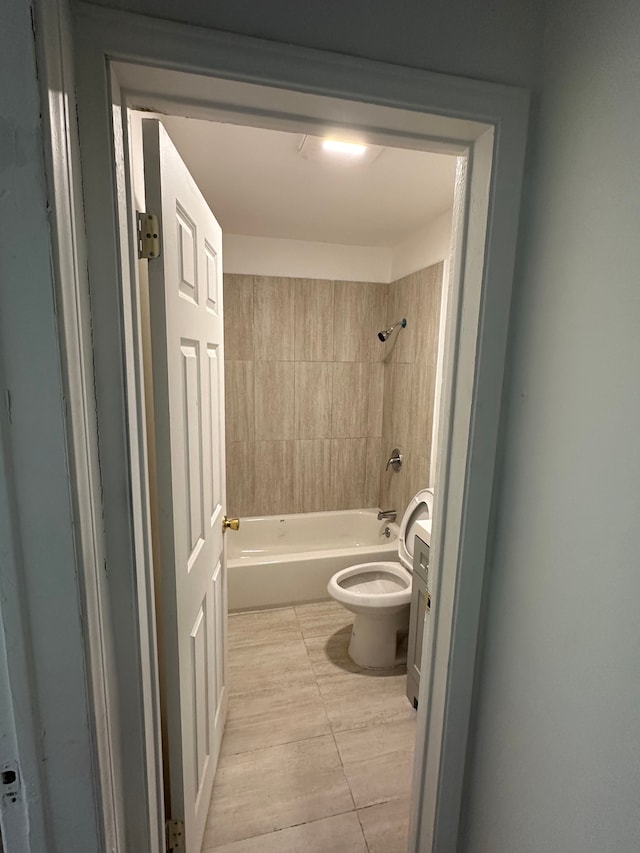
{"x": 420, "y": 605}
{"x": 416, "y": 627}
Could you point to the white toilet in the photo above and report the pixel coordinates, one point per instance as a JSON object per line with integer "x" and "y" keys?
{"x": 379, "y": 594}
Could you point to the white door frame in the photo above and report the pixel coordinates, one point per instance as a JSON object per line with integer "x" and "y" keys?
{"x": 485, "y": 122}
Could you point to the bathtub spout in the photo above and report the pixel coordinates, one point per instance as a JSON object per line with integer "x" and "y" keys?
{"x": 389, "y": 514}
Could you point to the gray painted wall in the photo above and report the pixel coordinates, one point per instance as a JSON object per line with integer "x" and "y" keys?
{"x": 39, "y": 612}
{"x": 557, "y": 742}
{"x": 495, "y": 40}
{"x": 38, "y": 569}
{"x": 557, "y": 751}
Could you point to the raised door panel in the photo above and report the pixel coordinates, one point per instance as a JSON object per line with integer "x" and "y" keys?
{"x": 416, "y": 627}
{"x": 212, "y": 278}
{"x": 214, "y": 377}
{"x": 200, "y": 663}
{"x": 192, "y": 448}
{"x": 187, "y": 255}
{"x": 218, "y": 662}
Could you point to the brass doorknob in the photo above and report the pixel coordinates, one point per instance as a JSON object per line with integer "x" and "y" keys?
{"x": 232, "y": 523}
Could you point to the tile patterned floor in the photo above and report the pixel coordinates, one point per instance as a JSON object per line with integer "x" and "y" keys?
{"x": 317, "y": 753}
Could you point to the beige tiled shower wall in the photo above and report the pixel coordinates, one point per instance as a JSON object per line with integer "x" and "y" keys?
{"x": 409, "y": 384}
{"x": 307, "y": 386}
{"x": 304, "y": 393}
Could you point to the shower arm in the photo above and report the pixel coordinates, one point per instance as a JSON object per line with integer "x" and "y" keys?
{"x": 385, "y": 334}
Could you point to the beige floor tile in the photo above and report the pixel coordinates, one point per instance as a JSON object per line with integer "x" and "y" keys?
{"x": 268, "y": 666}
{"x": 356, "y": 700}
{"x": 272, "y": 717}
{"x": 339, "y": 834}
{"x": 386, "y": 826}
{"x": 322, "y": 619}
{"x": 281, "y": 783}
{"x": 269, "y": 789}
{"x": 263, "y": 626}
{"x": 329, "y": 656}
{"x": 378, "y": 761}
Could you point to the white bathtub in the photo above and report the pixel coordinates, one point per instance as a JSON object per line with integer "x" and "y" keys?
{"x": 289, "y": 559}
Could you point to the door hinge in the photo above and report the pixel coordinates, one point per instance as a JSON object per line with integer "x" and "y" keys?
{"x": 175, "y": 835}
{"x": 148, "y": 236}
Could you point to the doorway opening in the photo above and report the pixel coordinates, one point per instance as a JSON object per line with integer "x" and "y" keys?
{"x": 320, "y": 252}
{"x": 195, "y": 74}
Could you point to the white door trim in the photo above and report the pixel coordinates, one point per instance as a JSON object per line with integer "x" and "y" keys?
{"x": 415, "y": 108}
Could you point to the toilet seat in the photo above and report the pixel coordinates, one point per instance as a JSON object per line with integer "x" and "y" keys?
{"x": 380, "y": 584}
{"x": 420, "y": 509}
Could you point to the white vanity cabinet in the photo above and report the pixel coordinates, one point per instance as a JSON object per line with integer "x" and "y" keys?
{"x": 419, "y": 616}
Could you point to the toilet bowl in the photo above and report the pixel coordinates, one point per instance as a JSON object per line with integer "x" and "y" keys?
{"x": 379, "y": 594}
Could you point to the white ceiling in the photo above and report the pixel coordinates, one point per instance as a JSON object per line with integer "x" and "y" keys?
{"x": 257, "y": 184}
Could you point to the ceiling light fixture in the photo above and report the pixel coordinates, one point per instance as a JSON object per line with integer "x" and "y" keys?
{"x": 350, "y": 148}
{"x": 332, "y": 152}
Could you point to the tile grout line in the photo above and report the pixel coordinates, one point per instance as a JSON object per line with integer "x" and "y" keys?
{"x": 237, "y": 646}
{"x": 304, "y": 823}
{"x": 315, "y": 680}
{"x": 275, "y": 746}
{"x": 282, "y": 829}
{"x": 364, "y": 836}
{"x": 333, "y": 734}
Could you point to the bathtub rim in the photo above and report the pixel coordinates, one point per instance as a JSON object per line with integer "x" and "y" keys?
{"x": 294, "y": 579}
{"x": 292, "y": 555}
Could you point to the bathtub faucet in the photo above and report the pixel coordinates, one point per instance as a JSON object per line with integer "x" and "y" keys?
{"x": 387, "y": 513}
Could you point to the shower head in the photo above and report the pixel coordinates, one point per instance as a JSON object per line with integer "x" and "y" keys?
{"x": 383, "y": 336}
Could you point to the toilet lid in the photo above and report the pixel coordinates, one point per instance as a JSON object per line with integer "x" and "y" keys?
{"x": 420, "y": 509}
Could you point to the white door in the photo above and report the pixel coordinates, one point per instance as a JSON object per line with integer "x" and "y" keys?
{"x": 185, "y": 287}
